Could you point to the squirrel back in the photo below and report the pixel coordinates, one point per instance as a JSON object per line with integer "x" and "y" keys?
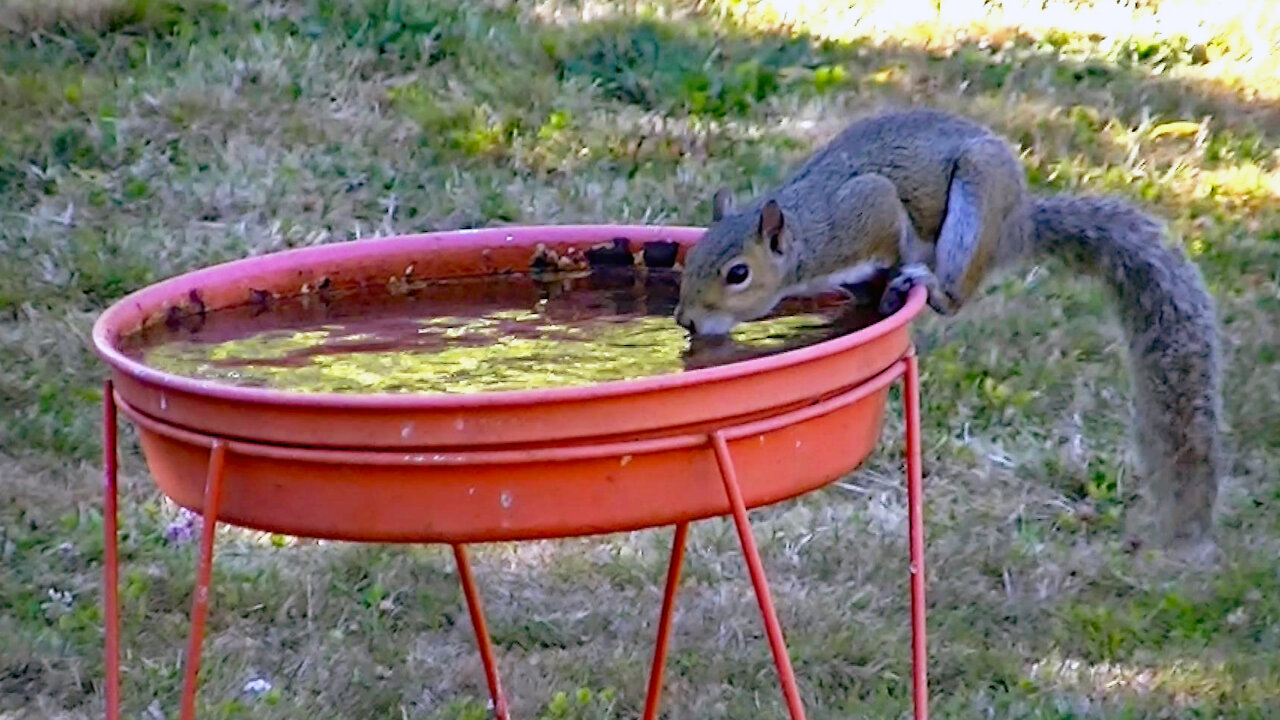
{"x": 916, "y": 150}
{"x": 932, "y": 199}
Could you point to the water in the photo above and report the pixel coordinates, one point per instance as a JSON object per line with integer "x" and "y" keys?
{"x": 473, "y": 335}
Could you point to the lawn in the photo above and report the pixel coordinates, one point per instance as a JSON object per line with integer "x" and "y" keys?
{"x": 142, "y": 138}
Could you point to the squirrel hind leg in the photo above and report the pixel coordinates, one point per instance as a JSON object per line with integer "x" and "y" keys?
{"x": 986, "y": 190}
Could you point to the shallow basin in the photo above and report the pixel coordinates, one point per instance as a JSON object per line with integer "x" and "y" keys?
{"x": 502, "y": 465}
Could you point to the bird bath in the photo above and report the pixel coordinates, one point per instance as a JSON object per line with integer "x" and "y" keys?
{"x": 440, "y": 388}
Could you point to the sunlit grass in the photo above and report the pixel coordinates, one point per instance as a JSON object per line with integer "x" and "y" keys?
{"x": 1182, "y": 684}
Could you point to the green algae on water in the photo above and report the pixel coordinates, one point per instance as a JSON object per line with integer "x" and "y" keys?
{"x": 639, "y": 347}
{"x": 600, "y": 333}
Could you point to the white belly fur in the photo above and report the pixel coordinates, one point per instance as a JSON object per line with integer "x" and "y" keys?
{"x": 826, "y": 283}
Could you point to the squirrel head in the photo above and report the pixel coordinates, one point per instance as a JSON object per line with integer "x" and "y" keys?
{"x": 737, "y": 271}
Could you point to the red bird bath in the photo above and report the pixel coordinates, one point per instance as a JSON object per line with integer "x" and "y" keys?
{"x": 506, "y": 465}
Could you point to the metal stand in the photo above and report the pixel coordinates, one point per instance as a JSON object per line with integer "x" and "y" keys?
{"x": 905, "y": 369}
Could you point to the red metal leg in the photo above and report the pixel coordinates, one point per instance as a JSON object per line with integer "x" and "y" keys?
{"x": 482, "y": 633}
{"x": 111, "y": 560}
{"x": 664, "y": 621}
{"x": 204, "y": 573}
{"x": 915, "y": 522}
{"x": 786, "y": 675}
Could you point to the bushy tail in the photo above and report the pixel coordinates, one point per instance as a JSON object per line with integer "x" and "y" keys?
{"x": 1169, "y": 319}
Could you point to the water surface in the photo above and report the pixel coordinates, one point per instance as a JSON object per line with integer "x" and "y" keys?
{"x": 510, "y": 332}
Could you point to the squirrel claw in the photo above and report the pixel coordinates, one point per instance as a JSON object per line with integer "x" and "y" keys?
{"x": 895, "y": 294}
{"x": 893, "y": 299}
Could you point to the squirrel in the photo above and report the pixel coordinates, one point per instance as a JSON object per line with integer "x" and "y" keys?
{"x": 928, "y": 198}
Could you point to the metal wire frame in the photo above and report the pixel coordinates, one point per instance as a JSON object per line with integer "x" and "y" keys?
{"x": 905, "y": 369}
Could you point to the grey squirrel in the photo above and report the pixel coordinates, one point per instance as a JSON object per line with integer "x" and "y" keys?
{"x": 928, "y": 198}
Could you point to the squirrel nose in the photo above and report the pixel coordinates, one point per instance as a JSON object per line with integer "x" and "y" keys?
{"x": 685, "y": 322}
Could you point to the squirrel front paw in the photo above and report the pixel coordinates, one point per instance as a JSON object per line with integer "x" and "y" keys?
{"x": 909, "y": 276}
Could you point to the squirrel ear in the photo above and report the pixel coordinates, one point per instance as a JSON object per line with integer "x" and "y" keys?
{"x": 721, "y": 204}
{"x": 771, "y": 224}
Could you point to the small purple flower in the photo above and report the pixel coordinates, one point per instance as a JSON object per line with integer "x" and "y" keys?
{"x": 184, "y": 528}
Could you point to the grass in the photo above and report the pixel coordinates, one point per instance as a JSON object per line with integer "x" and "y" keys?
{"x": 141, "y": 138}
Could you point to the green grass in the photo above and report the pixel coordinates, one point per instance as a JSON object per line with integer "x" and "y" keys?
{"x": 142, "y": 138}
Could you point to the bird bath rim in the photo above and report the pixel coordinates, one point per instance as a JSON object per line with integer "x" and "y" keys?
{"x": 107, "y": 333}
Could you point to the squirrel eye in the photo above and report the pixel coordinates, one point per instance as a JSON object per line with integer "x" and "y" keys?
{"x": 737, "y": 274}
